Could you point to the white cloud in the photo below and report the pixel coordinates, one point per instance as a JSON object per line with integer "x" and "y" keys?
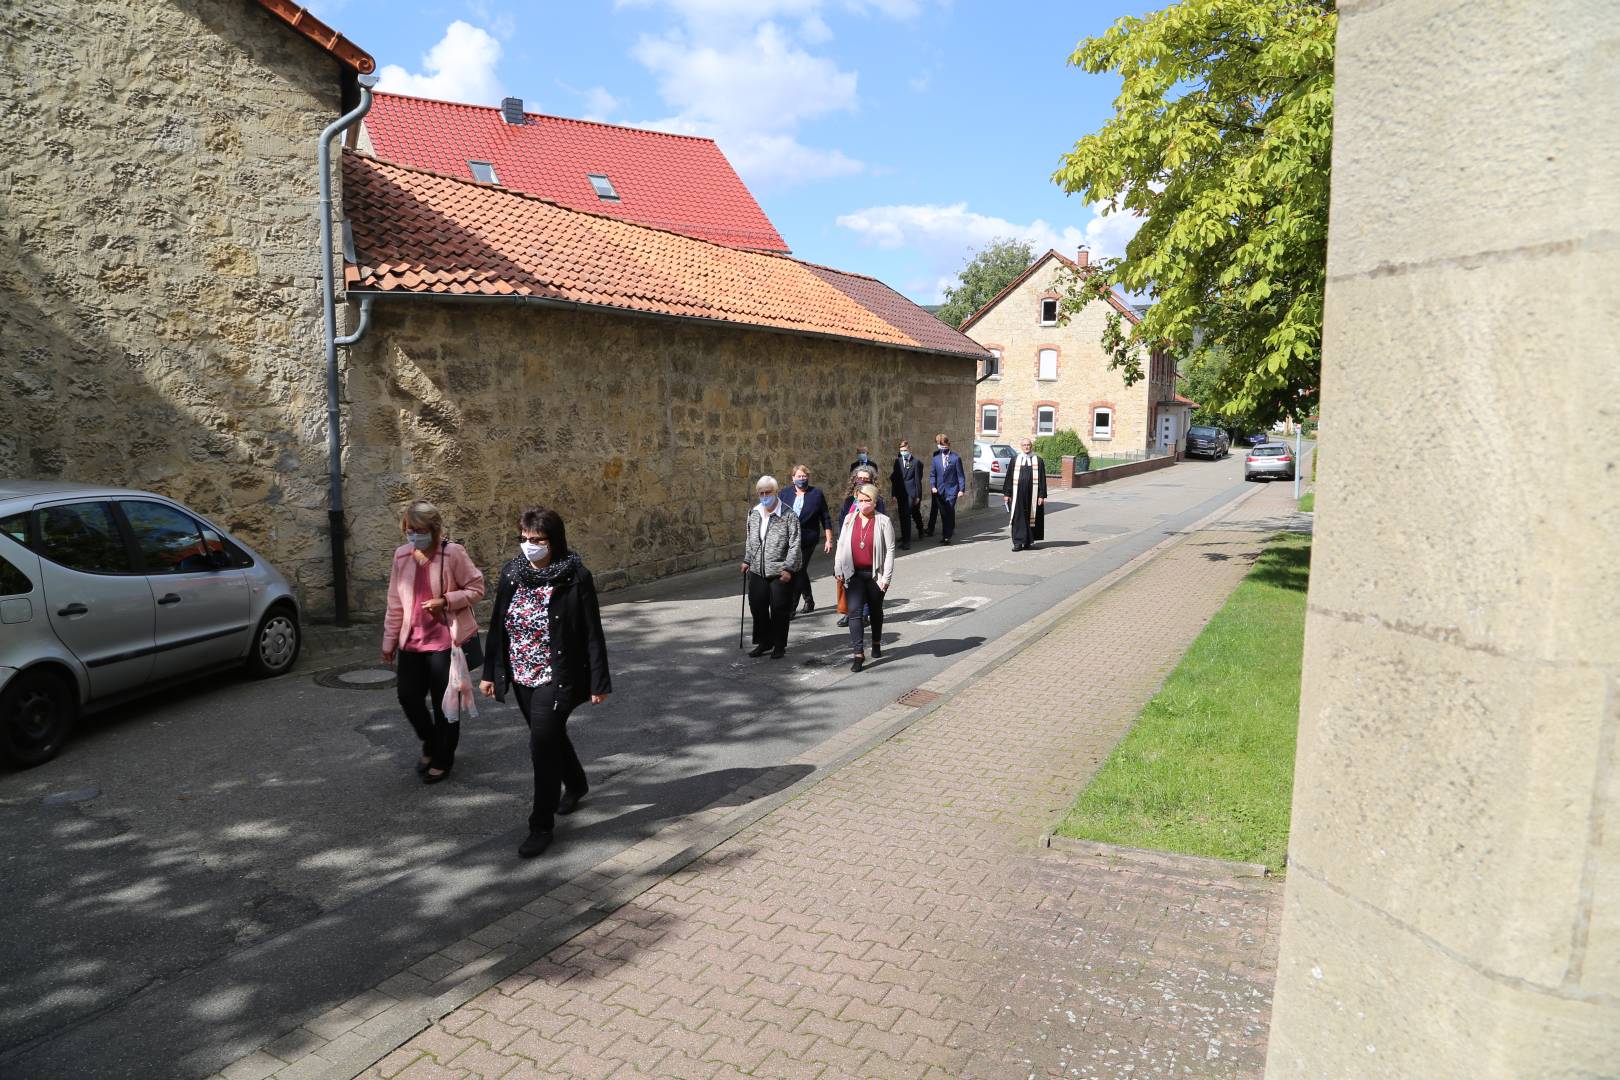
{"x": 597, "y": 102}
{"x": 945, "y": 235}
{"x": 502, "y": 23}
{"x": 460, "y": 67}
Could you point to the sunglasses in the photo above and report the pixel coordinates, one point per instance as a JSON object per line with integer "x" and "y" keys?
{"x": 531, "y": 539}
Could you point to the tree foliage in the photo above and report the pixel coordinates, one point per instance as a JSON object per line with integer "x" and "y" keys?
{"x": 1065, "y": 442}
{"x": 1205, "y": 371}
{"x": 988, "y": 271}
{"x": 1221, "y": 140}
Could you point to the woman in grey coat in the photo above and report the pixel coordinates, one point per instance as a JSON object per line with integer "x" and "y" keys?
{"x": 772, "y": 556}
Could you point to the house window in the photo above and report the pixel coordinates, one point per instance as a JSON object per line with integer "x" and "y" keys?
{"x": 990, "y": 419}
{"x": 1045, "y": 420}
{"x": 992, "y": 366}
{"x": 1048, "y": 364}
{"x": 1102, "y": 423}
{"x": 604, "y": 187}
{"x": 483, "y": 172}
{"x": 1049, "y": 312}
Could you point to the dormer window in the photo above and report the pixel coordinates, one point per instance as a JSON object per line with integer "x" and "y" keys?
{"x": 1049, "y": 312}
{"x": 483, "y": 172}
{"x": 603, "y": 186}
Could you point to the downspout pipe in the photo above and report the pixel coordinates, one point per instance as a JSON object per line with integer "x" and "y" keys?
{"x": 334, "y": 430}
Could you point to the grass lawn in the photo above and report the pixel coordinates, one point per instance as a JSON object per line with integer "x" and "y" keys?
{"x": 1105, "y": 462}
{"x": 1307, "y": 502}
{"x": 1208, "y": 768}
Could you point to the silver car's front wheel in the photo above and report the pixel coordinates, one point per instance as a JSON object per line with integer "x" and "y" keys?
{"x": 275, "y": 645}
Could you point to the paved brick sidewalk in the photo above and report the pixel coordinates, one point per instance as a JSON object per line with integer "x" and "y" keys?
{"x": 898, "y": 919}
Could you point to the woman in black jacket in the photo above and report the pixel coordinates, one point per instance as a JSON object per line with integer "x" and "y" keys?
{"x": 545, "y": 641}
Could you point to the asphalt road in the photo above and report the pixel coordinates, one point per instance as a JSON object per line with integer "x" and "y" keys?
{"x": 202, "y": 871}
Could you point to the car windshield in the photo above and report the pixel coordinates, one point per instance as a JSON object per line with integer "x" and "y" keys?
{"x": 1270, "y": 451}
{"x": 1002, "y": 450}
{"x": 1203, "y": 432}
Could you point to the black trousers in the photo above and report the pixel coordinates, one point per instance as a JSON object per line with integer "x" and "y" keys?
{"x": 556, "y": 763}
{"x": 423, "y": 678}
{"x": 862, "y": 590}
{"x": 910, "y": 511}
{"x": 940, "y": 506}
{"x": 801, "y": 580}
{"x": 771, "y": 601}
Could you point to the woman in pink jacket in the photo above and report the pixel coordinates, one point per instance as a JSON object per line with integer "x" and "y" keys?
{"x": 431, "y": 593}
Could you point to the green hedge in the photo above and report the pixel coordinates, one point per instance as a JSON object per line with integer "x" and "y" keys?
{"x": 1053, "y": 448}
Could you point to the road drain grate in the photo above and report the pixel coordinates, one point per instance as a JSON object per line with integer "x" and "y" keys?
{"x": 917, "y": 698}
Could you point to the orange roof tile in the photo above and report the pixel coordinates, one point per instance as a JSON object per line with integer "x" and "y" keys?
{"x": 421, "y": 232}
{"x": 682, "y": 183}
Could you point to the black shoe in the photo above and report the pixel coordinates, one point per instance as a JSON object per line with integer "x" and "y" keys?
{"x": 856, "y": 666}
{"x": 428, "y": 776}
{"x": 569, "y": 802}
{"x": 905, "y": 545}
{"x": 1029, "y": 547}
{"x": 807, "y": 608}
{"x": 843, "y": 620}
{"x": 1018, "y": 547}
{"x": 536, "y": 844}
{"x": 777, "y": 654}
{"x": 877, "y": 650}
{"x": 946, "y": 540}
{"x": 423, "y": 766}
{"x": 759, "y": 650}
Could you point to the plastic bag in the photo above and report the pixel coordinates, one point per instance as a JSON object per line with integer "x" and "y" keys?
{"x": 460, "y": 699}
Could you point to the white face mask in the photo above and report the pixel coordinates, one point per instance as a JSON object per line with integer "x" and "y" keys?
{"x": 421, "y": 541}
{"x": 535, "y": 552}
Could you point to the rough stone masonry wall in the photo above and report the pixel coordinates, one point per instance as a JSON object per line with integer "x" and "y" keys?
{"x": 159, "y": 304}
{"x": 1453, "y": 900}
{"x": 647, "y": 435}
{"x": 1083, "y": 373}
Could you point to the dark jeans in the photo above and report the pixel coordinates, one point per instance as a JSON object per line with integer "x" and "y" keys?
{"x": 426, "y": 675}
{"x": 801, "y": 581}
{"x": 942, "y": 506}
{"x": 556, "y": 763}
{"x": 910, "y": 511}
{"x": 771, "y": 600}
{"x": 862, "y": 590}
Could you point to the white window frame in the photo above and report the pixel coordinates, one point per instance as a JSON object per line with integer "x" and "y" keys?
{"x": 612, "y": 192}
{"x": 1051, "y": 428}
{"x": 985, "y": 410}
{"x": 472, "y": 167}
{"x": 994, "y": 365}
{"x": 1040, "y": 365}
{"x": 1106, "y": 432}
{"x": 1055, "y": 311}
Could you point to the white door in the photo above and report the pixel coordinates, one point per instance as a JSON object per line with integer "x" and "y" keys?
{"x": 1169, "y": 431}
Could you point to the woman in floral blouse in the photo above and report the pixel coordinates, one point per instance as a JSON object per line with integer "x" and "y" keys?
{"x": 546, "y": 643}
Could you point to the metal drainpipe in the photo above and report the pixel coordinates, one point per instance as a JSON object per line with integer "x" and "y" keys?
{"x": 334, "y": 432}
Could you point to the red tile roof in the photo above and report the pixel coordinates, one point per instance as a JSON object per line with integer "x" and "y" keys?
{"x": 298, "y": 17}
{"x": 419, "y": 232}
{"x": 675, "y": 182}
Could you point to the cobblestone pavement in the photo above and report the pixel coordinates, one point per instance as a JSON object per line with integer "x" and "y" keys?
{"x": 898, "y": 919}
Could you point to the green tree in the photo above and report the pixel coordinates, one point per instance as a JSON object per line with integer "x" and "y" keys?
{"x": 988, "y": 271}
{"x": 1206, "y": 372}
{"x": 1220, "y": 140}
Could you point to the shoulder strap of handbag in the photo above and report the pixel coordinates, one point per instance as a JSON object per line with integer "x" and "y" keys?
{"x": 444, "y": 573}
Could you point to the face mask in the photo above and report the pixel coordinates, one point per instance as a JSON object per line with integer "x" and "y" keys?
{"x": 800, "y": 482}
{"x": 419, "y": 540}
{"x": 535, "y": 552}
{"x": 940, "y": 447}
{"x": 863, "y": 459}
{"x": 906, "y": 454}
{"x": 767, "y": 501}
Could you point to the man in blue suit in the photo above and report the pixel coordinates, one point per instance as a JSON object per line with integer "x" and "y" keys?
{"x": 947, "y": 480}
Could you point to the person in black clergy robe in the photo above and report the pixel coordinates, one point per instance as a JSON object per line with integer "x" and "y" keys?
{"x": 1024, "y": 491}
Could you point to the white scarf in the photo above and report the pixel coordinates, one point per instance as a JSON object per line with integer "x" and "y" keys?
{"x": 1025, "y": 461}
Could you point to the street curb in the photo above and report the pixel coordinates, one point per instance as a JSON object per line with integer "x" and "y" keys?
{"x": 372, "y": 1025}
{"x": 1202, "y": 865}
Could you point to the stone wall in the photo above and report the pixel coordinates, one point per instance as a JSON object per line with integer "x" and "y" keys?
{"x": 646, "y": 434}
{"x": 1084, "y": 378}
{"x": 159, "y": 267}
{"x": 1453, "y": 898}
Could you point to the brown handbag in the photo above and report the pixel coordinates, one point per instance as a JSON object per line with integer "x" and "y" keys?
{"x": 843, "y": 599}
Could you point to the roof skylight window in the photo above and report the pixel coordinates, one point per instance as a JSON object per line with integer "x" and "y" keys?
{"x": 603, "y": 186}
{"x": 483, "y": 172}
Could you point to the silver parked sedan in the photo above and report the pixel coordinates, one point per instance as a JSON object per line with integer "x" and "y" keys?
{"x": 1272, "y": 459}
{"x": 105, "y": 592}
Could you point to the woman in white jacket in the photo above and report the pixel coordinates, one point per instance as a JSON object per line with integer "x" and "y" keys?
{"x": 865, "y": 564}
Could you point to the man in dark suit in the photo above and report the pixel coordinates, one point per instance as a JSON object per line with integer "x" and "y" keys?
{"x": 947, "y": 480}
{"x": 905, "y": 483}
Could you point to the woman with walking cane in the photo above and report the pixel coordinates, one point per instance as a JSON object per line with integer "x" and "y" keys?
{"x": 545, "y": 641}
{"x": 772, "y": 555}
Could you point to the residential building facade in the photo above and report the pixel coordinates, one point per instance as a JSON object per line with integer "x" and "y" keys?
{"x": 1046, "y": 374}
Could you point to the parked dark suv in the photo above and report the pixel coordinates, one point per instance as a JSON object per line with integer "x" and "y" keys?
{"x": 1210, "y": 442}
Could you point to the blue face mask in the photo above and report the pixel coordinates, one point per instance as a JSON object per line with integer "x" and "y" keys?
{"x": 421, "y": 541}
{"x": 800, "y": 482}
{"x": 863, "y": 459}
{"x": 767, "y": 501}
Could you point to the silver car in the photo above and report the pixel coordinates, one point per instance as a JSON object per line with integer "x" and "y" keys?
{"x": 1271, "y": 459}
{"x": 105, "y": 592}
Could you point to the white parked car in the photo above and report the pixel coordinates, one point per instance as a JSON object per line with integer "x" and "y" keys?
{"x": 995, "y": 459}
{"x": 106, "y": 592}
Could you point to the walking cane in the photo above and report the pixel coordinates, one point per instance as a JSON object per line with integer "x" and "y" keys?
{"x": 742, "y": 616}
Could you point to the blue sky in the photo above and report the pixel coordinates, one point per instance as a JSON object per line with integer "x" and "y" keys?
{"x": 888, "y": 137}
